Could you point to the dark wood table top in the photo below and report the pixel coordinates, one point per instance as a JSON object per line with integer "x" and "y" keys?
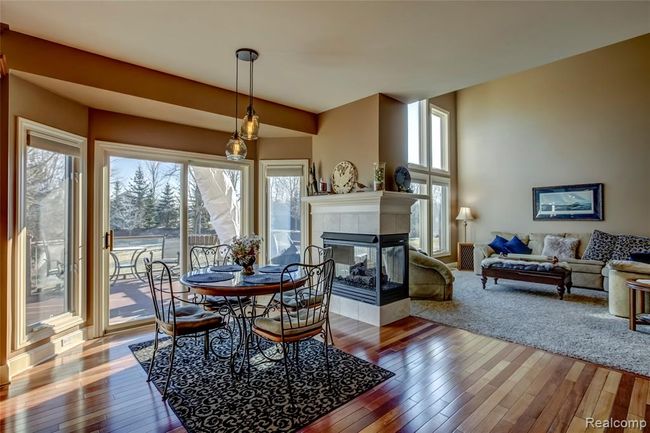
{"x": 238, "y": 287}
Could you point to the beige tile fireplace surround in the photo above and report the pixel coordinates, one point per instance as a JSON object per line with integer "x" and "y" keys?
{"x": 376, "y": 212}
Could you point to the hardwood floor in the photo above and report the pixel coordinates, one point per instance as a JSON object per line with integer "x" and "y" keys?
{"x": 447, "y": 380}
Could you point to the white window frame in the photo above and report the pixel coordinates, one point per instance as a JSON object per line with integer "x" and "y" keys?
{"x": 425, "y": 240}
{"x": 434, "y": 176}
{"x": 103, "y": 151}
{"x": 22, "y": 335}
{"x": 263, "y": 195}
{"x": 444, "y": 150}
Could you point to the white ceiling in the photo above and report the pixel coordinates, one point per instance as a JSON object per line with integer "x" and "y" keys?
{"x": 319, "y": 55}
{"x": 136, "y": 106}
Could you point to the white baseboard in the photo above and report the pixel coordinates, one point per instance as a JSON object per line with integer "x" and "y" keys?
{"x": 27, "y": 360}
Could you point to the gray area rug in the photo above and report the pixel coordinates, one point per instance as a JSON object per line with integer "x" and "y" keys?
{"x": 532, "y": 314}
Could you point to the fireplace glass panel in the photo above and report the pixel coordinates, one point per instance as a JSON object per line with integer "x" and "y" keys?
{"x": 355, "y": 266}
{"x": 393, "y": 267}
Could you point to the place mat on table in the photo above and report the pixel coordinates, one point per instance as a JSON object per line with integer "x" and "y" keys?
{"x": 226, "y": 268}
{"x": 276, "y": 269}
{"x": 209, "y": 277}
{"x": 266, "y": 278}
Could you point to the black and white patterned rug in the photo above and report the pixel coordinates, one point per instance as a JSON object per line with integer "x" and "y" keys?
{"x": 206, "y": 398}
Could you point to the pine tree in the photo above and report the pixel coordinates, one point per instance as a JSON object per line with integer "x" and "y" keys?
{"x": 167, "y": 209}
{"x": 140, "y": 201}
{"x": 119, "y": 212}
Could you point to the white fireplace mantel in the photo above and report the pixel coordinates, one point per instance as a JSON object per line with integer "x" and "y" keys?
{"x": 374, "y": 212}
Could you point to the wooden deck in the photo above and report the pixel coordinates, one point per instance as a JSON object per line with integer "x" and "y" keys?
{"x": 447, "y": 380}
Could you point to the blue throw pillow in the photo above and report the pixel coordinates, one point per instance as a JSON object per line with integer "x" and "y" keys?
{"x": 640, "y": 257}
{"x": 516, "y": 246}
{"x": 499, "y": 245}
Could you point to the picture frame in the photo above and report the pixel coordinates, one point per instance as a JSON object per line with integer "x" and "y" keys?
{"x": 582, "y": 202}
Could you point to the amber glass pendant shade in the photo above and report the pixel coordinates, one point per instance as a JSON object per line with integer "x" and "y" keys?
{"x": 236, "y": 148}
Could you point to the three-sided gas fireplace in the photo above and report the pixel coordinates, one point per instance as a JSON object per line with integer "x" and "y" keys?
{"x": 369, "y": 268}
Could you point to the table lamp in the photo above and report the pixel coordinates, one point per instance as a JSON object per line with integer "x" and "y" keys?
{"x": 464, "y": 215}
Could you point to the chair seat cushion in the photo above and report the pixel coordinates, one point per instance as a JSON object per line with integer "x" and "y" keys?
{"x": 191, "y": 319}
{"x": 294, "y": 323}
{"x": 302, "y": 299}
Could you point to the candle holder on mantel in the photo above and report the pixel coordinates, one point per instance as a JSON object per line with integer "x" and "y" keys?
{"x": 379, "y": 176}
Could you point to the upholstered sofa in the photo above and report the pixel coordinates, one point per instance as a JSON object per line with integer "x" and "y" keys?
{"x": 585, "y": 273}
{"x": 429, "y": 278}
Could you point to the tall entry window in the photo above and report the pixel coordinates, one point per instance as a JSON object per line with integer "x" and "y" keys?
{"x": 282, "y": 212}
{"x": 428, "y": 156}
{"x": 50, "y": 230}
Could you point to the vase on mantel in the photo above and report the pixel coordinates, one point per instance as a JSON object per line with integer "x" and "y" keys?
{"x": 379, "y": 176}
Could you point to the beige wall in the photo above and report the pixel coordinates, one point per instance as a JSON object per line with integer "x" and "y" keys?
{"x": 349, "y": 132}
{"x": 284, "y": 148}
{"x": 393, "y": 136}
{"x": 579, "y": 120}
{"x": 363, "y": 132}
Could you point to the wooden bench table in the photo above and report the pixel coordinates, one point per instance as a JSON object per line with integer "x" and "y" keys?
{"x": 556, "y": 275}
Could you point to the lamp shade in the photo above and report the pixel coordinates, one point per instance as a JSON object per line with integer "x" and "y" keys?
{"x": 250, "y": 125}
{"x": 236, "y": 148}
{"x": 464, "y": 214}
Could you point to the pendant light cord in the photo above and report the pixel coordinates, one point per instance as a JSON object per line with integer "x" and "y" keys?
{"x": 250, "y": 91}
{"x": 236, "y": 90}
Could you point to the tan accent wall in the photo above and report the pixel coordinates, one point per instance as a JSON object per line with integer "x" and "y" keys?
{"x": 348, "y": 133}
{"x": 448, "y": 103}
{"x": 33, "y": 103}
{"x": 38, "y": 56}
{"x": 284, "y": 148}
{"x": 363, "y": 132}
{"x": 393, "y": 136}
{"x": 579, "y": 120}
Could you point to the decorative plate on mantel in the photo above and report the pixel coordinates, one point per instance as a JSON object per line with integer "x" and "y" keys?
{"x": 344, "y": 177}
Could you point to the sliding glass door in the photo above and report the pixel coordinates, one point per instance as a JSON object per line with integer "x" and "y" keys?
{"x": 144, "y": 219}
{"x": 157, "y": 205}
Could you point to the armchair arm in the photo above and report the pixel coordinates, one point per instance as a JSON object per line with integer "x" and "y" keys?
{"x": 629, "y": 266}
{"x": 426, "y": 262}
{"x": 481, "y": 252}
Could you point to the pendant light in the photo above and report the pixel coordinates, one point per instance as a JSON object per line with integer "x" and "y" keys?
{"x": 236, "y": 148}
{"x": 251, "y": 122}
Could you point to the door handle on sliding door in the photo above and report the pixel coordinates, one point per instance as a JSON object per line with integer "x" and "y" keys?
{"x": 108, "y": 240}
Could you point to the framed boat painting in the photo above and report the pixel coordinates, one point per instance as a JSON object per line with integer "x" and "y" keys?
{"x": 569, "y": 202}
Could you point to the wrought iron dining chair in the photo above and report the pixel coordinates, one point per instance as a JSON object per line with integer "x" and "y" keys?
{"x": 314, "y": 254}
{"x": 203, "y": 256}
{"x": 303, "y": 311}
{"x": 173, "y": 319}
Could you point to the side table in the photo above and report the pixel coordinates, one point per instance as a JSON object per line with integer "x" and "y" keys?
{"x": 465, "y": 256}
{"x": 638, "y": 291}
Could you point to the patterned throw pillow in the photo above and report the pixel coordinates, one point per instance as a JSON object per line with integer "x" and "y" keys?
{"x": 601, "y": 246}
{"x": 562, "y": 248}
{"x": 628, "y": 244}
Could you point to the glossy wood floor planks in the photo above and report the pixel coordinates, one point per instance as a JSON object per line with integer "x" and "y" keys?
{"x": 446, "y": 381}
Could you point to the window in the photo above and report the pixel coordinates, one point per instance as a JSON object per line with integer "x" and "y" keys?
{"x": 158, "y": 204}
{"x": 283, "y": 215}
{"x": 428, "y": 156}
{"x": 50, "y": 231}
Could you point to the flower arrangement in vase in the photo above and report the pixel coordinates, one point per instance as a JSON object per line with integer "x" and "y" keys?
{"x": 244, "y": 252}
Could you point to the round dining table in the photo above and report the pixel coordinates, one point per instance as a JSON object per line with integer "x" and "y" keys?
{"x": 240, "y": 302}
